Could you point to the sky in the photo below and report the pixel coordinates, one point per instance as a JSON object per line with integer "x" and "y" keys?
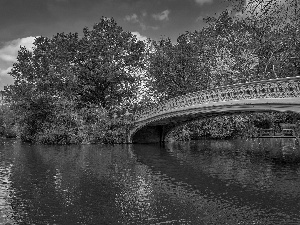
{"x": 23, "y": 20}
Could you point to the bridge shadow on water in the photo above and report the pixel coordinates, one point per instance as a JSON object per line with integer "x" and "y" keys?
{"x": 256, "y": 176}
{"x": 279, "y": 150}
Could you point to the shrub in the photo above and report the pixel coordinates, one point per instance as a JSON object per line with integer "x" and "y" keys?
{"x": 233, "y": 126}
{"x": 8, "y": 126}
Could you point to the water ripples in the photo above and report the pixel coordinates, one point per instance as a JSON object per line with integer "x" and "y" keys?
{"x": 203, "y": 182}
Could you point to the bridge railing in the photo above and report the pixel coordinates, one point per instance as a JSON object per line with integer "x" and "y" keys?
{"x": 274, "y": 88}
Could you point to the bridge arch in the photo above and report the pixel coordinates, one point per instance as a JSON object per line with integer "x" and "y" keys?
{"x": 153, "y": 123}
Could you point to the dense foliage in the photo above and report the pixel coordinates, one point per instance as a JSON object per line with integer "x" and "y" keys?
{"x": 8, "y": 126}
{"x": 229, "y": 50}
{"x": 66, "y": 88}
{"x": 234, "y": 126}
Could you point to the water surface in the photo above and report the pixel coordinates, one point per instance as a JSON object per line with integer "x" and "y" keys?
{"x": 255, "y": 181}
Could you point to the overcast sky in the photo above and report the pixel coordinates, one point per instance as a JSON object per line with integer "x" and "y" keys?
{"x": 22, "y": 20}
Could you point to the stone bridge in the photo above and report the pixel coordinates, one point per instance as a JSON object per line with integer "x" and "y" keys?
{"x": 152, "y": 124}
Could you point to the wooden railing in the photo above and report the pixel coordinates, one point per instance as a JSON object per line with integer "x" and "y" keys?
{"x": 275, "y": 88}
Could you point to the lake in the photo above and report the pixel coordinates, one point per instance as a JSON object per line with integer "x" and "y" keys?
{"x": 253, "y": 181}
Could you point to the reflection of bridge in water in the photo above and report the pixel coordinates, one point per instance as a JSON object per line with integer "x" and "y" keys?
{"x": 246, "y": 171}
{"x": 247, "y": 162}
{"x": 154, "y": 123}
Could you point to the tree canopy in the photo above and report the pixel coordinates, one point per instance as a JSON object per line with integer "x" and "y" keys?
{"x": 64, "y": 76}
{"x": 229, "y": 50}
{"x": 100, "y": 68}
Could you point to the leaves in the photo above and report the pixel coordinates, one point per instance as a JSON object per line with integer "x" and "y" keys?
{"x": 175, "y": 69}
{"x": 108, "y": 60}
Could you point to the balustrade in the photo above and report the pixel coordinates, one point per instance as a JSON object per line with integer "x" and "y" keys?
{"x": 275, "y": 88}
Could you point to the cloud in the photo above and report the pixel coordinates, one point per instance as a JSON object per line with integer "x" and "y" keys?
{"x": 9, "y": 51}
{"x": 135, "y": 19}
{"x": 144, "y": 14}
{"x": 4, "y": 72}
{"x": 5, "y": 80}
{"x": 132, "y": 18}
{"x": 139, "y": 36}
{"x": 8, "y": 56}
{"x": 202, "y": 2}
{"x": 200, "y": 19}
{"x": 163, "y": 16}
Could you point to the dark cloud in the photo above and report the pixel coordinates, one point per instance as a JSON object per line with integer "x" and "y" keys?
{"x": 21, "y": 18}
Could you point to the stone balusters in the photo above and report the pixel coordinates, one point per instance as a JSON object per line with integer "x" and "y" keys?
{"x": 276, "y": 88}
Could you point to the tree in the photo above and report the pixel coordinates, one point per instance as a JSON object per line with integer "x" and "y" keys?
{"x": 41, "y": 80}
{"x": 175, "y": 69}
{"x": 100, "y": 68}
{"x": 276, "y": 23}
{"x": 228, "y": 51}
{"x": 108, "y": 63}
{"x": 271, "y": 11}
{"x": 65, "y": 73}
{"x": 278, "y": 51}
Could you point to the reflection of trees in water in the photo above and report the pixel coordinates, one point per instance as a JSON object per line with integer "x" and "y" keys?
{"x": 31, "y": 183}
{"x": 84, "y": 179}
{"x": 88, "y": 184}
{"x": 247, "y": 162}
{"x": 85, "y": 184}
{"x": 136, "y": 199}
{"x": 175, "y": 183}
{"x": 5, "y": 192}
{"x": 40, "y": 194}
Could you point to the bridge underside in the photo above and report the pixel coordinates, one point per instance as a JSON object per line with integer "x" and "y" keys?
{"x": 155, "y": 129}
